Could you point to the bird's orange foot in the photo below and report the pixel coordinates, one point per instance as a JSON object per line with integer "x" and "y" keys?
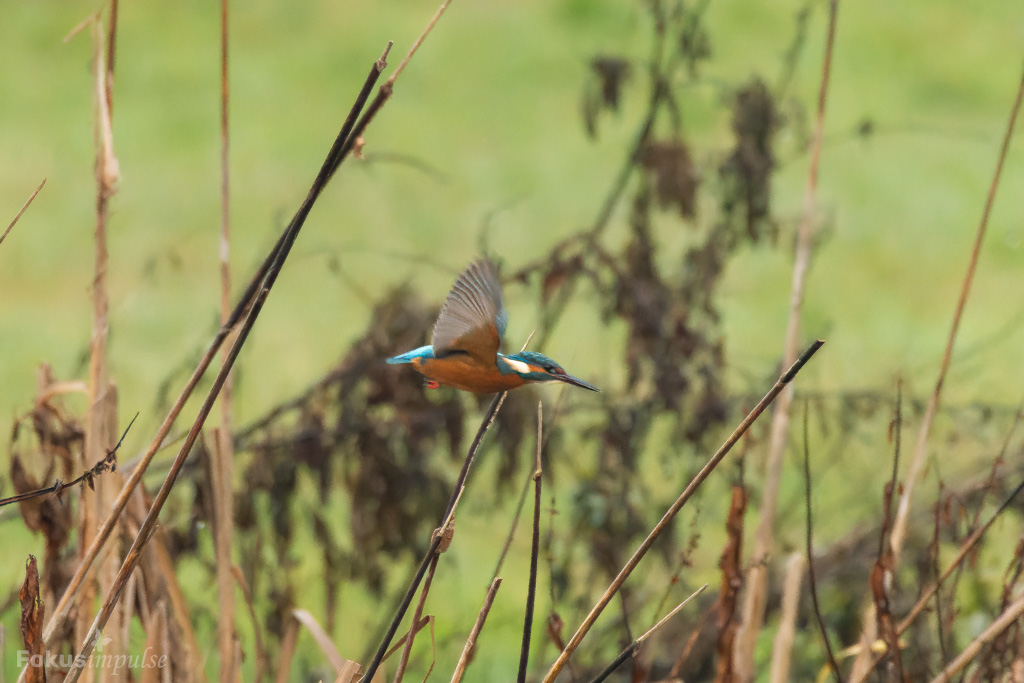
{"x": 431, "y": 384}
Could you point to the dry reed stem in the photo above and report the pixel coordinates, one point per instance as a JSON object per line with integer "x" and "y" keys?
{"x": 1006, "y": 619}
{"x": 429, "y": 619}
{"x": 419, "y": 41}
{"x": 437, "y": 537}
{"x": 965, "y": 548}
{"x": 783, "y": 645}
{"x": 863, "y": 668}
{"x": 323, "y": 640}
{"x": 223, "y": 451}
{"x": 633, "y": 648}
{"x": 348, "y": 673}
{"x": 757, "y": 580}
{"x": 864, "y": 664}
{"x": 103, "y": 534}
{"x": 251, "y": 307}
{"x": 531, "y": 592}
{"x": 666, "y": 520}
{"x": 403, "y": 661}
{"x": 145, "y": 532}
{"x": 512, "y": 529}
{"x": 67, "y": 599}
{"x": 156, "y": 641}
{"x": 467, "y": 651}
{"x": 101, "y": 424}
{"x": 812, "y": 580}
{"x": 284, "y": 664}
{"x": 262, "y": 662}
{"x": 24, "y": 206}
{"x": 917, "y": 460}
{"x": 246, "y": 303}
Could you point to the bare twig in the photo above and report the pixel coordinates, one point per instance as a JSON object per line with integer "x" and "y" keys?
{"x": 262, "y": 663}
{"x": 926, "y": 595}
{"x": 411, "y": 635}
{"x": 419, "y": 41}
{"x": 1009, "y": 615}
{"x": 881, "y": 573}
{"x": 965, "y": 549}
{"x": 223, "y": 451}
{"x": 106, "y": 464}
{"x": 467, "y": 651}
{"x": 917, "y": 459}
{"x": 635, "y": 646}
{"x": 24, "y": 206}
{"x": 103, "y": 534}
{"x": 250, "y": 308}
{"x": 757, "y": 580}
{"x": 810, "y": 554}
{"x": 531, "y": 593}
{"x": 401, "y": 641}
{"x": 666, "y": 520}
{"x": 437, "y": 538}
{"x": 512, "y": 530}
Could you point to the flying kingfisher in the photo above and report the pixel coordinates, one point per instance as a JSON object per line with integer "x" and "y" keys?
{"x": 467, "y": 335}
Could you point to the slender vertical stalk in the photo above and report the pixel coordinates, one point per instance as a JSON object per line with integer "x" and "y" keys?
{"x": 782, "y": 648}
{"x": 102, "y": 414}
{"x": 438, "y": 536}
{"x": 757, "y": 579}
{"x": 403, "y": 661}
{"x": 249, "y": 307}
{"x": 470, "y": 647}
{"x": 531, "y": 593}
{"x": 669, "y": 515}
{"x": 899, "y": 529}
{"x": 223, "y": 451}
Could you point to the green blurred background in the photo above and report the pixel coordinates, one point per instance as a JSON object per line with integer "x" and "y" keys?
{"x": 482, "y": 147}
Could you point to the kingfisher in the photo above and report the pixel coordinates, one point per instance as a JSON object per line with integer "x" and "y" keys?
{"x": 467, "y": 335}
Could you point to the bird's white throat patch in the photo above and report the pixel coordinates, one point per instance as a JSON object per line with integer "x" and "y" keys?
{"x": 519, "y": 366}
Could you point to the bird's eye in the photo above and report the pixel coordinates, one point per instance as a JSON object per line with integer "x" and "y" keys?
{"x": 555, "y": 370}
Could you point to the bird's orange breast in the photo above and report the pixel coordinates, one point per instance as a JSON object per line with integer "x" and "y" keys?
{"x": 467, "y": 373}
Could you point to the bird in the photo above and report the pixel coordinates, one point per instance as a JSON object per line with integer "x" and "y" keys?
{"x": 464, "y": 352}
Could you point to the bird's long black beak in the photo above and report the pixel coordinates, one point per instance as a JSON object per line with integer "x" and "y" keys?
{"x": 575, "y": 381}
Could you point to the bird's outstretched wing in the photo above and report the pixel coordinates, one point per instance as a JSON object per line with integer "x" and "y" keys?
{"x": 473, "y": 318}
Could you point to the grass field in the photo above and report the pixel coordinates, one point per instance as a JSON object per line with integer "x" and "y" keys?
{"x": 482, "y": 147}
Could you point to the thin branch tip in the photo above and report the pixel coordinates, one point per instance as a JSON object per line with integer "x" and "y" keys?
{"x": 383, "y": 61}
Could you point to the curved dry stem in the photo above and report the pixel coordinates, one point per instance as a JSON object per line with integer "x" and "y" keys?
{"x": 630, "y": 651}
{"x": 899, "y": 530}
{"x": 666, "y": 520}
{"x": 1005, "y": 620}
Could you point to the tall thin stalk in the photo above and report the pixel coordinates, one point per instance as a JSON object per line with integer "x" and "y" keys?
{"x": 223, "y": 451}
{"x": 757, "y": 577}
{"x": 249, "y": 307}
{"x": 899, "y": 530}
{"x": 666, "y": 520}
